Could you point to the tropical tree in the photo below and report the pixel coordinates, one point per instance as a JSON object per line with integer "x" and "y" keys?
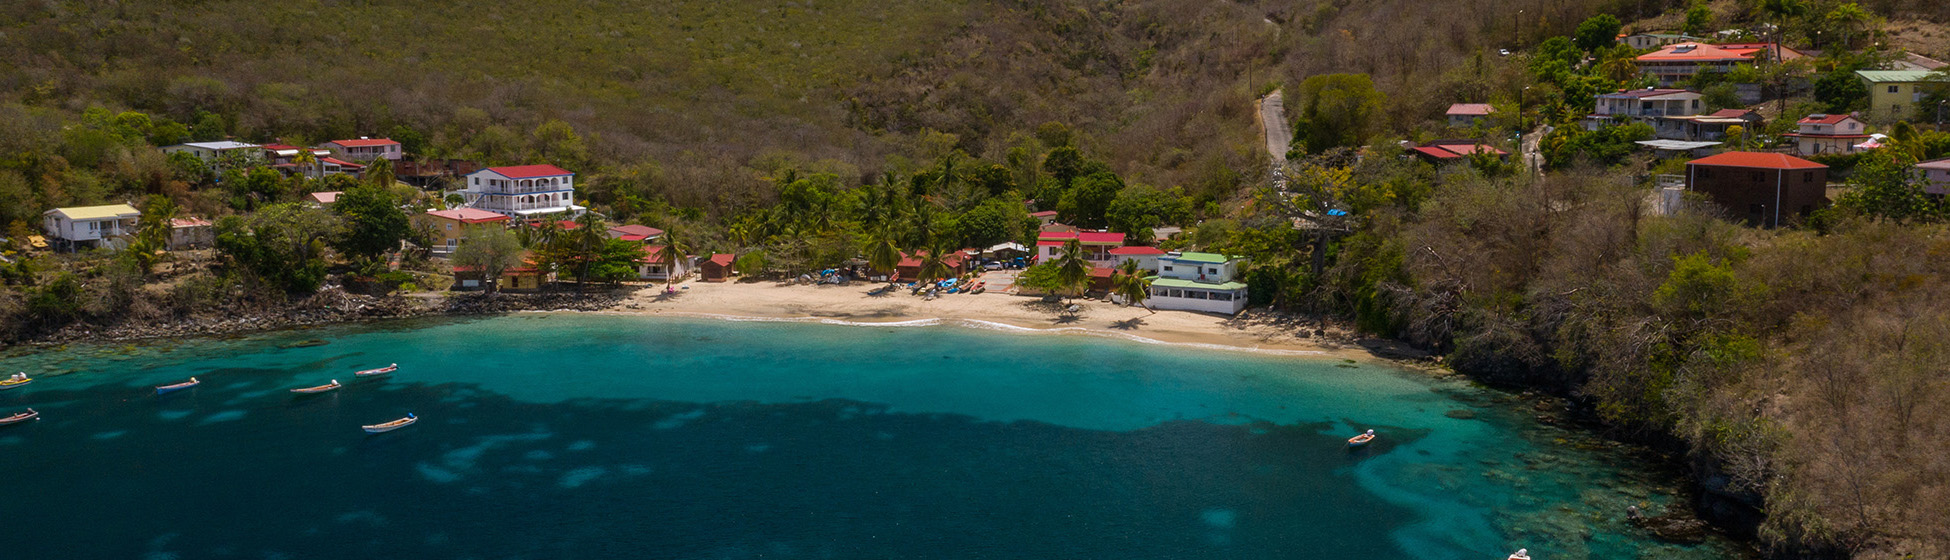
{"x": 1132, "y": 284}
{"x": 373, "y": 220}
{"x": 493, "y": 250}
{"x": 585, "y": 245}
{"x": 677, "y": 246}
{"x": 1597, "y": 32}
{"x": 1849, "y": 18}
{"x": 934, "y": 262}
{"x": 1072, "y": 270}
{"x": 882, "y": 253}
{"x": 152, "y": 235}
{"x": 380, "y": 172}
{"x": 307, "y": 161}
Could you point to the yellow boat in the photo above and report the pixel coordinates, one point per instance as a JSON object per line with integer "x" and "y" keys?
{"x": 15, "y": 382}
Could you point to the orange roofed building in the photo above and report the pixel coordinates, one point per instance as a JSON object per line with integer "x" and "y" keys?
{"x": 1758, "y": 188}
{"x": 1678, "y": 62}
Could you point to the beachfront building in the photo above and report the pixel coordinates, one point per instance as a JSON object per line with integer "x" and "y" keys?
{"x": 86, "y": 227}
{"x": 446, "y": 228}
{"x": 717, "y": 268}
{"x": 651, "y": 265}
{"x": 522, "y": 191}
{"x": 1146, "y": 257}
{"x": 1096, "y": 245}
{"x": 1207, "y": 282}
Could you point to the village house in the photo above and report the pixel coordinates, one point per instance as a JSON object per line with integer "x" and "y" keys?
{"x": 1207, "y": 282}
{"x": 209, "y": 151}
{"x": 1711, "y": 126}
{"x": 1466, "y": 115}
{"x": 322, "y": 199}
{"x": 191, "y": 233}
{"x": 1936, "y": 176}
{"x": 521, "y": 278}
{"x": 651, "y": 265}
{"x": 909, "y": 267}
{"x": 523, "y": 191}
{"x": 363, "y": 149}
{"x": 1443, "y": 151}
{"x": 446, "y": 228}
{"x": 1096, "y": 245}
{"x": 1828, "y": 134}
{"x": 285, "y": 155}
{"x": 1044, "y": 218}
{"x": 90, "y": 227}
{"x": 1678, "y": 62}
{"x": 1146, "y": 257}
{"x": 1762, "y": 189}
{"x": 1649, "y": 104}
{"x": 1643, "y": 41}
{"x": 643, "y": 234}
{"x": 1897, "y": 94}
{"x": 717, "y": 268}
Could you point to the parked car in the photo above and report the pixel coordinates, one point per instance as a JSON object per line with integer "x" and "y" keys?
{"x": 992, "y": 265}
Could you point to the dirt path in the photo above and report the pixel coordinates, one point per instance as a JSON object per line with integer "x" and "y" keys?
{"x": 1272, "y": 122}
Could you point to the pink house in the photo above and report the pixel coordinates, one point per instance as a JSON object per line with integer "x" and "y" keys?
{"x": 364, "y": 149}
{"x": 1096, "y": 245}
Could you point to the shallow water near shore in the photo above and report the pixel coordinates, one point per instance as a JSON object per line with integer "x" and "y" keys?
{"x": 599, "y": 436}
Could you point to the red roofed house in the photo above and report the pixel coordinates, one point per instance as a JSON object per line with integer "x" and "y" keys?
{"x": 1146, "y": 257}
{"x": 1441, "y": 151}
{"x": 1046, "y": 217}
{"x": 651, "y": 265}
{"x": 910, "y": 265}
{"x": 1096, "y": 245}
{"x": 717, "y": 268}
{"x": 1760, "y": 188}
{"x": 329, "y": 165}
{"x": 1465, "y": 115}
{"x": 523, "y": 190}
{"x": 1628, "y": 105}
{"x": 363, "y": 149}
{"x": 1711, "y": 127}
{"x": 1828, "y": 134}
{"x": 322, "y": 199}
{"x": 1680, "y": 61}
{"x": 524, "y": 278}
{"x": 635, "y": 233}
{"x": 445, "y": 228}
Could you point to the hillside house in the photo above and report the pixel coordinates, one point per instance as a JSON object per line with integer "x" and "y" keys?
{"x": 446, "y": 228}
{"x": 322, "y": 199}
{"x": 644, "y": 234}
{"x": 1936, "y": 176}
{"x": 1678, "y": 62}
{"x": 1898, "y": 94}
{"x": 1761, "y": 189}
{"x": 363, "y": 149}
{"x": 1828, "y": 134}
{"x": 1446, "y": 151}
{"x": 1708, "y": 127}
{"x": 90, "y": 227}
{"x": 210, "y": 151}
{"x": 523, "y": 191}
{"x": 1643, "y": 41}
{"x": 1207, "y": 282}
{"x": 1044, "y": 218}
{"x": 191, "y": 233}
{"x": 279, "y": 155}
{"x": 1466, "y": 115}
{"x": 1096, "y": 245}
{"x": 1649, "y": 104}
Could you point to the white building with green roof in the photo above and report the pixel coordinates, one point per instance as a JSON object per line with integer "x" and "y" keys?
{"x": 1208, "y": 282}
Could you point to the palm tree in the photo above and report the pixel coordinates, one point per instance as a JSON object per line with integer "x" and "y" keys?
{"x": 676, "y": 247}
{"x": 304, "y": 157}
{"x": 1780, "y": 11}
{"x": 934, "y": 263}
{"x": 1071, "y": 268}
{"x": 588, "y": 239}
{"x": 380, "y": 172}
{"x": 882, "y": 254}
{"x": 1848, "y": 17}
{"x": 1132, "y": 284}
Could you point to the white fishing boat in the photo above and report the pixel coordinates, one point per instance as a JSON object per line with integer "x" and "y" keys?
{"x": 393, "y": 425}
{"x": 1360, "y": 440}
{"x": 377, "y": 371}
{"x": 1520, "y": 554}
{"x": 174, "y": 387}
{"x": 19, "y": 417}
{"x": 333, "y": 386}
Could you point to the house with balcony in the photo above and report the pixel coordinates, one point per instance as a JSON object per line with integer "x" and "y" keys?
{"x": 363, "y": 149}
{"x": 1678, "y": 62}
{"x": 280, "y": 155}
{"x": 522, "y": 191}
{"x": 1897, "y": 94}
{"x": 1647, "y": 105}
{"x": 651, "y": 265}
{"x": 1828, "y": 134}
{"x": 90, "y": 227}
{"x": 1207, "y": 282}
{"x": 1643, "y": 41}
{"x": 210, "y": 151}
{"x": 1709, "y": 127}
{"x": 1096, "y": 245}
{"x": 446, "y": 228}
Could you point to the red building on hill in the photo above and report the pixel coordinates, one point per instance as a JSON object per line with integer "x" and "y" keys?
{"x": 1760, "y": 188}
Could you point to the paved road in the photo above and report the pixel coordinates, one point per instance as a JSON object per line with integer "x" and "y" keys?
{"x": 1533, "y": 156}
{"x": 1272, "y": 120}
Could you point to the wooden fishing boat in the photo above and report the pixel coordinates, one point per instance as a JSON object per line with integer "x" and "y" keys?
{"x": 19, "y": 417}
{"x": 1520, "y": 554}
{"x": 174, "y": 387}
{"x": 333, "y": 386}
{"x": 1360, "y": 440}
{"x": 393, "y": 425}
{"x": 979, "y": 288}
{"x": 15, "y": 382}
{"x": 377, "y": 371}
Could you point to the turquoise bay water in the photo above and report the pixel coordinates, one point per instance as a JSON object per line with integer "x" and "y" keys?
{"x": 594, "y": 436}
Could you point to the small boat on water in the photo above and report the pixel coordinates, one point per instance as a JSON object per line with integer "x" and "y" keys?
{"x": 1520, "y": 554}
{"x": 17, "y": 381}
{"x": 333, "y": 386}
{"x": 1360, "y": 440}
{"x": 377, "y": 371}
{"x": 19, "y": 417}
{"x": 174, "y": 387}
{"x": 393, "y": 425}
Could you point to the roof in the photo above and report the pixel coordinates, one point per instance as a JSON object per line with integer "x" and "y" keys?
{"x": 1676, "y": 144}
{"x": 188, "y": 222}
{"x": 1733, "y": 113}
{"x": 219, "y": 145}
{"x": 1213, "y": 258}
{"x": 1451, "y": 151}
{"x": 651, "y": 254}
{"x": 1899, "y": 76}
{"x": 1086, "y": 237}
{"x": 1757, "y": 160}
{"x": 338, "y": 162}
{"x": 1137, "y": 250}
{"x": 1471, "y": 109}
{"x": 468, "y": 215}
{"x": 914, "y": 259}
{"x": 635, "y": 231}
{"x": 1819, "y": 118}
{"x": 327, "y": 197}
{"x": 97, "y": 212}
{"x": 1937, "y": 164}
{"x": 722, "y": 259}
{"x": 1182, "y": 283}
{"x": 1922, "y": 62}
{"x": 1102, "y": 271}
{"x": 1043, "y": 214}
{"x": 365, "y": 142}
{"x": 1700, "y": 52}
{"x": 1647, "y": 93}
{"x": 528, "y": 171}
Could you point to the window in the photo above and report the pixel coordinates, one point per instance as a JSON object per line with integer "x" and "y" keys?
{"x": 1895, "y": 89}
{"x": 1211, "y": 271}
{"x": 1167, "y": 268}
{"x": 477, "y": 181}
{"x": 1808, "y": 176}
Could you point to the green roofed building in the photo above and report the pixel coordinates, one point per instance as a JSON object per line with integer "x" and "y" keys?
{"x": 1208, "y": 282}
{"x": 1898, "y": 94}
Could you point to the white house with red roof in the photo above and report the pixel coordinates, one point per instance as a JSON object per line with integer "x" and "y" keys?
{"x": 651, "y": 265}
{"x": 1465, "y": 115}
{"x": 1828, "y": 134}
{"x": 1096, "y": 245}
{"x": 363, "y": 149}
{"x": 1146, "y": 257}
{"x": 523, "y": 190}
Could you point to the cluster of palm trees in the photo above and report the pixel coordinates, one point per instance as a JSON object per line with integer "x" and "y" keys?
{"x": 590, "y": 253}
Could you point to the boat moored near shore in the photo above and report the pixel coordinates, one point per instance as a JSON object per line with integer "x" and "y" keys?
{"x": 174, "y": 387}
{"x": 19, "y": 417}
{"x": 1361, "y": 440}
{"x": 333, "y": 386}
{"x": 393, "y": 425}
{"x": 375, "y": 372}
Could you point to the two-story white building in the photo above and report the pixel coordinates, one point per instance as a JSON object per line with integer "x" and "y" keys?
{"x": 522, "y": 191}
{"x": 1648, "y": 104}
{"x": 363, "y": 149}
{"x": 1097, "y": 245}
{"x": 210, "y": 151}
{"x": 1828, "y": 134}
{"x": 84, "y": 227}
{"x": 1206, "y": 282}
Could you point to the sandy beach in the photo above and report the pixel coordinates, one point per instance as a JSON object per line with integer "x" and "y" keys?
{"x": 853, "y": 303}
